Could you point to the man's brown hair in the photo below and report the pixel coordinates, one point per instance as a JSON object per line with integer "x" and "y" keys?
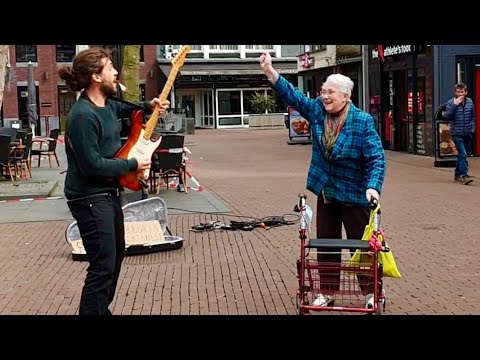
{"x": 461, "y": 86}
{"x": 85, "y": 64}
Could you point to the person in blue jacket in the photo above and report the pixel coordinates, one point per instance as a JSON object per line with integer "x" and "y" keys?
{"x": 460, "y": 111}
{"x": 347, "y": 167}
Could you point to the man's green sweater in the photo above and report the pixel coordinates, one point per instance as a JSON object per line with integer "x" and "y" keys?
{"x": 92, "y": 140}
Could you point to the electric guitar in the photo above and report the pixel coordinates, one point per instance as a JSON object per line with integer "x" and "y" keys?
{"x": 139, "y": 143}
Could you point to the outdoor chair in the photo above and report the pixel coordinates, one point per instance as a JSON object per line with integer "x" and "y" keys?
{"x": 51, "y": 151}
{"x": 5, "y": 160}
{"x": 22, "y": 155}
{"x": 12, "y": 132}
{"x": 168, "y": 161}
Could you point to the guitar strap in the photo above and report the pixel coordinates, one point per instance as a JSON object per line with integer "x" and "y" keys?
{"x": 127, "y": 102}
{"x": 119, "y": 98}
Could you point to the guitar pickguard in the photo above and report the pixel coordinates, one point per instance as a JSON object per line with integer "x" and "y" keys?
{"x": 144, "y": 149}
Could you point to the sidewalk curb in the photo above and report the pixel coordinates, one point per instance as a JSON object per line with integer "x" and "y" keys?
{"x": 21, "y": 196}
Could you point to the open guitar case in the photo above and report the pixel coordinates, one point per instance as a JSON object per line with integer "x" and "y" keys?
{"x": 153, "y": 208}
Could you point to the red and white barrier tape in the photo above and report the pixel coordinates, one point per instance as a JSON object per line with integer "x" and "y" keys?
{"x": 32, "y": 199}
{"x": 199, "y": 187}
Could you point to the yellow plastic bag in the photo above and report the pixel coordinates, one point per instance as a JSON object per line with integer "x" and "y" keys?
{"x": 385, "y": 258}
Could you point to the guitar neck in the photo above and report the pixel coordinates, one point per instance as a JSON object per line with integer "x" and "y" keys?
{"x": 152, "y": 121}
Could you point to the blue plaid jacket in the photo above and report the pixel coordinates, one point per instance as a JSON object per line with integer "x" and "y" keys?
{"x": 357, "y": 161}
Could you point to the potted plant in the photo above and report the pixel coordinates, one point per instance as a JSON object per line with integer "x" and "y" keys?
{"x": 261, "y": 102}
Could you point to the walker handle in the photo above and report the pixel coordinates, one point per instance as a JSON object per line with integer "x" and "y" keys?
{"x": 374, "y": 204}
{"x": 301, "y": 202}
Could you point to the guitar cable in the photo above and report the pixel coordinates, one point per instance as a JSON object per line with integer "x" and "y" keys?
{"x": 266, "y": 223}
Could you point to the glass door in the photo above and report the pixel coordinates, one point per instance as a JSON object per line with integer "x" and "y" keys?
{"x": 22, "y": 96}
{"x": 66, "y": 99}
{"x": 208, "y": 112}
{"x": 188, "y": 102}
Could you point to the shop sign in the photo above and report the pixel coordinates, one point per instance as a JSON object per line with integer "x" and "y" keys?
{"x": 382, "y": 51}
{"x": 306, "y": 61}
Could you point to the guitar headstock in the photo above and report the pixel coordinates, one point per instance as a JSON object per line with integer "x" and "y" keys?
{"x": 179, "y": 59}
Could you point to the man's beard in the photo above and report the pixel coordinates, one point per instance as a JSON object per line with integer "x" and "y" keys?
{"x": 107, "y": 89}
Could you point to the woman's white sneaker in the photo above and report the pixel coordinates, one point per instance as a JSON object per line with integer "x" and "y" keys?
{"x": 323, "y": 300}
{"x": 370, "y": 301}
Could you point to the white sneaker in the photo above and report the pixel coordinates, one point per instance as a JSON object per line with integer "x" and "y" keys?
{"x": 323, "y": 300}
{"x": 370, "y": 300}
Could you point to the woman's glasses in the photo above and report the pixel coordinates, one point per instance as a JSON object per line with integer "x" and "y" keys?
{"x": 329, "y": 92}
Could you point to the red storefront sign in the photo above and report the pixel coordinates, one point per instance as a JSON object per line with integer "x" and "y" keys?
{"x": 419, "y": 102}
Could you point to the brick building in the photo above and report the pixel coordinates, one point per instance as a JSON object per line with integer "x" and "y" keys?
{"x": 53, "y": 97}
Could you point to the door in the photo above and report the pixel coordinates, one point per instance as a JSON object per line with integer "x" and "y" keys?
{"x": 188, "y": 103}
{"x": 22, "y": 96}
{"x": 185, "y": 102}
{"x": 208, "y": 111}
{"x": 66, "y": 99}
{"x": 399, "y": 110}
{"x": 197, "y": 104}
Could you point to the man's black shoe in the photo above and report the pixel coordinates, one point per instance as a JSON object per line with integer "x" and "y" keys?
{"x": 463, "y": 180}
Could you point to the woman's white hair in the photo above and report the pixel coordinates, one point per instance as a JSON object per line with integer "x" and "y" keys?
{"x": 341, "y": 82}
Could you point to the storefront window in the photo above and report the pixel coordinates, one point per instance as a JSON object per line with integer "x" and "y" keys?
{"x": 234, "y": 106}
{"x": 280, "y": 104}
{"x": 247, "y": 97}
{"x": 229, "y": 102}
{"x": 229, "y": 107}
{"x": 229, "y": 121}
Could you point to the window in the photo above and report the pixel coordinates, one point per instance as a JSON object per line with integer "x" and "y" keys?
{"x": 229, "y": 102}
{"x": 142, "y": 56}
{"x": 229, "y": 107}
{"x": 247, "y": 97}
{"x": 26, "y": 53}
{"x": 64, "y": 53}
{"x": 281, "y": 105}
{"x": 259, "y": 47}
{"x": 192, "y": 47}
{"x": 318, "y": 47}
{"x": 224, "y": 47}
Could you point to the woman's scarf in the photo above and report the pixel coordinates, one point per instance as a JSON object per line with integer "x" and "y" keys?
{"x": 333, "y": 126}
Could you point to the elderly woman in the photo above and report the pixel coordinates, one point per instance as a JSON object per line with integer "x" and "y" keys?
{"x": 347, "y": 166}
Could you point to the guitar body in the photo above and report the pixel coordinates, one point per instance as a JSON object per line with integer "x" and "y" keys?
{"x": 139, "y": 144}
{"x": 136, "y": 147}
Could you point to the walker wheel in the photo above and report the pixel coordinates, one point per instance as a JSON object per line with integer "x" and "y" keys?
{"x": 299, "y": 310}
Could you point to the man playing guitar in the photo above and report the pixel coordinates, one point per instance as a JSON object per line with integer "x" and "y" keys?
{"x": 91, "y": 185}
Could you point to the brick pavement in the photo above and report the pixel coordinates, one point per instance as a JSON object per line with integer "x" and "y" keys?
{"x": 431, "y": 223}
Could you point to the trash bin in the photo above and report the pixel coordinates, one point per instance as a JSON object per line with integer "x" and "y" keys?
{"x": 189, "y": 126}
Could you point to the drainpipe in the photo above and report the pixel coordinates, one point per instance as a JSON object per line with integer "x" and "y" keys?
{"x": 365, "y": 80}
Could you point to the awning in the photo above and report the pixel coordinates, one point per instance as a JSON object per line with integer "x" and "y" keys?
{"x": 233, "y": 72}
{"x": 198, "y": 70}
{"x": 349, "y": 60}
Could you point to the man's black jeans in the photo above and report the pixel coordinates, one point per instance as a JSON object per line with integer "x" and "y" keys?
{"x": 100, "y": 222}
